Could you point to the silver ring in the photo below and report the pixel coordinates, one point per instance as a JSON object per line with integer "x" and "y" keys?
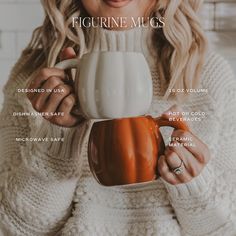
{"x": 179, "y": 170}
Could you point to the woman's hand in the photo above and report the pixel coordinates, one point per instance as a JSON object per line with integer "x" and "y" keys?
{"x": 59, "y": 97}
{"x": 184, "y": 159}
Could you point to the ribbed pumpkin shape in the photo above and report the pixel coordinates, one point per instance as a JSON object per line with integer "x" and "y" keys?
{"x": 114, "y": 85}
{"x": 125, "y": 151}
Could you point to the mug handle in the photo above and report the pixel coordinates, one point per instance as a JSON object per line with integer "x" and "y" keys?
{"x": 164, "y": 121}
{"x": 67, "y": 64}
{"x": 70, "y": 64}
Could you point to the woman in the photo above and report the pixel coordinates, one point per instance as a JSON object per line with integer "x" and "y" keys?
{"x": 47, "y": 188}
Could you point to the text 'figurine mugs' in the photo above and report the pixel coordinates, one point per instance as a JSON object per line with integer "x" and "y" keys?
{"x": 125, "y": 151}
{"x": 112, "y": 84}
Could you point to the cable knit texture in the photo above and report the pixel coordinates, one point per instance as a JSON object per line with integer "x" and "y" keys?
{"x": 48, "y": 189}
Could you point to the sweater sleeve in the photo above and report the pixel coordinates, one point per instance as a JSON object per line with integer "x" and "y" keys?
{"x": 206, "y": 206}
{"x": 38, "y": 178}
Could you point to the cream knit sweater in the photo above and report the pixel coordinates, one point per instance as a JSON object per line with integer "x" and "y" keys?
{"x": 48, "y": 189}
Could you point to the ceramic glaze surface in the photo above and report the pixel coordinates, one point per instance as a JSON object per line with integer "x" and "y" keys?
{"x": 125, "y": 151}
{"x": 112, "y": 84}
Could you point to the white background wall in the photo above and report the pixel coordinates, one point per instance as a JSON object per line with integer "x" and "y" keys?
{"x": 17, "y": 20}
{"x": 219, "y": 19}
{"x": 19, "y": 17}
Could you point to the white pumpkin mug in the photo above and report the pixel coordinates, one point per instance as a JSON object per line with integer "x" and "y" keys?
{"x": 112, "y": 84}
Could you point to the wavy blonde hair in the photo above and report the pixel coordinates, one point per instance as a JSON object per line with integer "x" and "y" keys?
{"x": 180, "y": 45}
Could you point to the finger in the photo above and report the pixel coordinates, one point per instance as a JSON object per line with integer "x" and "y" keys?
{"x": 56, "y": 98}
{"x": 40, "y": 99}
{"x": 44, "y": 75}
{"x": 165, "y": 173}
{"x": 66, "y": 106}
{"x": 192, "y": 166}
{"x": 173, "y": 161}
{"x": 67, "y": 53}
{"x": 199, "y": 149}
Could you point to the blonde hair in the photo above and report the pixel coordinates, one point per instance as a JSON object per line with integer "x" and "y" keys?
{"x": 180, "y": 45}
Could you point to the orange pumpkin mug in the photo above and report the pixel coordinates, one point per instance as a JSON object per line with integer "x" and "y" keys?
{"x": 125, "y": 151}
